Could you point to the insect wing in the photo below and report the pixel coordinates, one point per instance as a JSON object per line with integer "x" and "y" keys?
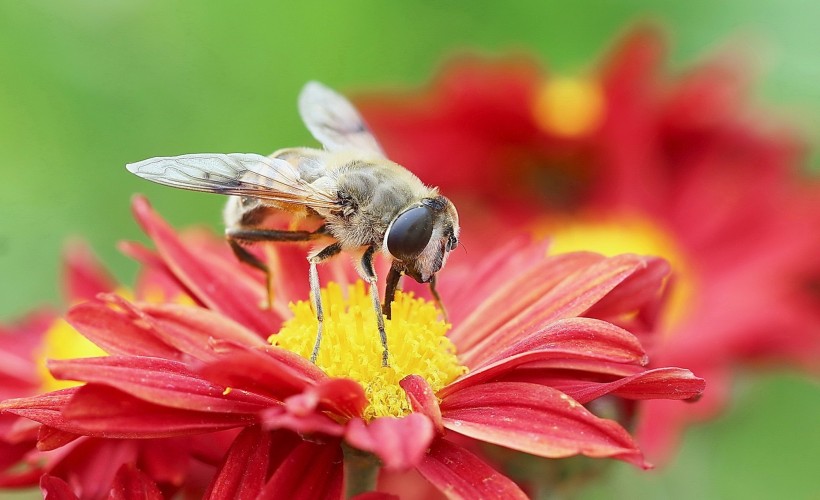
{"x": 242, "y": 174}
{"x": 334, "y": 121}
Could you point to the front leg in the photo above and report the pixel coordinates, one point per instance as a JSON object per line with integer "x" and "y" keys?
{"x": 316, "y": 291}
{"x": 390, "y": 288}
{"x": 369, "y": 274}
{"x": 437, "y": 298}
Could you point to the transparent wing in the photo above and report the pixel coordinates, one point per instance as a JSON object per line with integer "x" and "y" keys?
{"x": 242, "y": 174}
{"x": 334, "y": 121}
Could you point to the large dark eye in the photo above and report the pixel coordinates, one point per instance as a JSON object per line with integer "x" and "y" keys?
{"x": 410, "y": 233}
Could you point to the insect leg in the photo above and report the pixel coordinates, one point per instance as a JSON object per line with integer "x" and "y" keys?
{"x": 437, "y": 297}
{"x": 369, "y": 274}
{"x": 391, "y": 286}
{"x": 316, "y": 291}
{"x": 237, "y": 236}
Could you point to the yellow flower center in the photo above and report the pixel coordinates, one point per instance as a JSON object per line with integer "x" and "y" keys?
{"x": 62, "y": 341}
{"x": 351, "y": 347}
{"x": 569, "y": 107}
{"x": 630, "y": 234}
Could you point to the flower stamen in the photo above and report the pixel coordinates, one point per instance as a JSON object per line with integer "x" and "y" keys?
{"x": 351, "y": 346}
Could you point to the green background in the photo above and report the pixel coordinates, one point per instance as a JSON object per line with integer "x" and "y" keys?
{"x": 87, "y": 86}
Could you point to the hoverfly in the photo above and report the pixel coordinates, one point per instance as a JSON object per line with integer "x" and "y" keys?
{"x": 365, "y": 202}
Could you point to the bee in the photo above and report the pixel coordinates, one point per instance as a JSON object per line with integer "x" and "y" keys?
{"x": 364, "y": 202}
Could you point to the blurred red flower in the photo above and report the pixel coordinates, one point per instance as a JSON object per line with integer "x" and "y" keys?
{"x": 536, "y": 339}
{"x": 629, "y": 159}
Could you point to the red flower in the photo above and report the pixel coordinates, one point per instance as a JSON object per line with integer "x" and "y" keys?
{"x": 82, "y": 467}
{"x": 537, "y": 337}
{"x": 627, "y": 159}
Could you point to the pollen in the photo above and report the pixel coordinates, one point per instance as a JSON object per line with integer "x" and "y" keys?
{"x": 569, "y": 107}
{"x": 351, "y": 347}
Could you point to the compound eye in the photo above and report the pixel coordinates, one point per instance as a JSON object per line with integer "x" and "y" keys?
{"x": 410, "y": 233}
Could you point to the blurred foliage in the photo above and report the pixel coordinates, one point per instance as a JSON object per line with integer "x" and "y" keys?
{"x": 88, "y": 86}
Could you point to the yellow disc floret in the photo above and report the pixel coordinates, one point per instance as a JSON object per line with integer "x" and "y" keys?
{"x": 351, "y": 347}
{"x": 569, "y": 107}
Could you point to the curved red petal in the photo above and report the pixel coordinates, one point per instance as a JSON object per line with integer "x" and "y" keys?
{"x": 55, "y": 488}
{"x": 515, "y": 295}
{"x": 244, "y": 471}
{"x": 50, "y": 438}
{"x": 311, "y": 423}
{"x": 597, "y": 338}
{"x": 642, "y": 288}
{"x": 570, "y": 297}
{"x": 132, "y": 484}
{"x": 118, "y": 331}
{"x": 461, "y": 475}
{"x": 536, "y": 419}
{"x": 190, "y": 329}
{"x": 216, "y": 283}
{"x": 340, "y": 396}
{"x": 160, "y": 381}
{"x": 102, "y": 411}
{"x": 422, "y": 399}
{"x": 400, "y": 443}
{"x": 273, "y": 371}
{"x": 91, "y": 465}
{"x": 573, "y": 339}
{"x": 310, "y": 471}
{"x": 375, "y": 495}
{"x": 660, "y": 383}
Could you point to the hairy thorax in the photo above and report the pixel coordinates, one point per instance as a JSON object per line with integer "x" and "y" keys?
{"x": 371, "y": 194}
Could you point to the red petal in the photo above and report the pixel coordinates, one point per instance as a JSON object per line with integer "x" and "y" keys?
{"x": 106, "y": 412}
{"x": 571, "y": 297}
{"x": 517, "y": 294}
{"x": 310, "y": 471}
{"x": 11, "y": 453}
{"x": 245, "y": 469}
{"x": 132, "y": 484}
{"x": 190, "y": 328}
{"x": 54, "y": 488}
{"x": 168, "y": 461}
{"x": 375, "y": 495}
{"x": 583, "y": 335}
{"x": 422, "y": 399}
{"x": 51, "y": 439}
{"x": 117, "y": 331}
{"x": 91, "y": 465}
{"x": 280, "y": 418}
{"x": 570, "y": 339}
{"x": 642, "y": 288}
{"x": 535, "y": 419}
{"x": 49, "y": 400}
{"x": 660, "y": 383}
{"x": 399, "y": 442}
{"x": 342, "y": 397}
{"x": 515, "y": 260}
{"x": 459, "y": 474}
{"x": 160, "y": 381}
{"x": 155, "y": 279}
{"x": 216, "y": 283}
{"x": 83, "y": 275}
{"x": 275, "y": 372}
